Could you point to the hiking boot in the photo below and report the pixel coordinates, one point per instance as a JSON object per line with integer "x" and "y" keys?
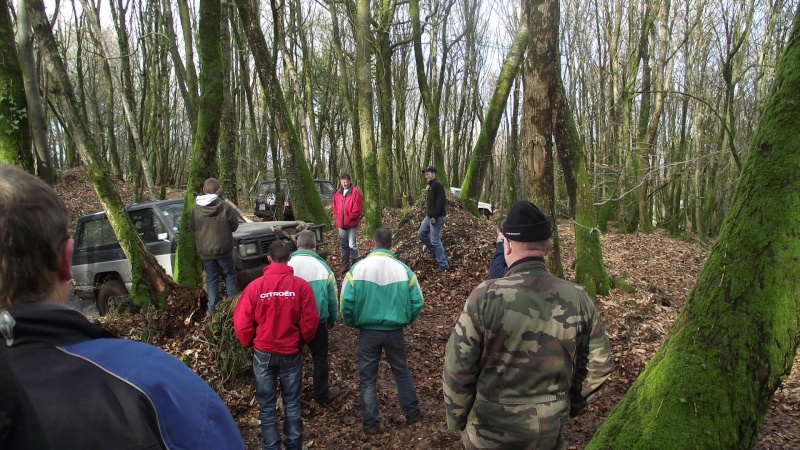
{"x": 333, "y": 393}
{"x": 372, "y": 430}
{"x": 415, "y": 419}
{"x": 345, "y": 266}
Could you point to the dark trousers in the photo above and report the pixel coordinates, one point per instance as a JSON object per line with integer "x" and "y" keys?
{"x": 319, "y": 355}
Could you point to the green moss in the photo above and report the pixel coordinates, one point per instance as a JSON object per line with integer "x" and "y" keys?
{"x": 232, "y": 359}
{"x": 623, "y": 285}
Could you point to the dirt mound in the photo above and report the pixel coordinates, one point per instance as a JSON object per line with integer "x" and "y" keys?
{"x": 74, "y": 187}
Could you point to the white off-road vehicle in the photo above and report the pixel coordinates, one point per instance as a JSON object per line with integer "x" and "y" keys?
{"x": 101, "y": 272}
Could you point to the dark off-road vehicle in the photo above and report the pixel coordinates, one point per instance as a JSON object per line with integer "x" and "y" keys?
{"x": 101, "y": 272}
{"x": 264, "y": 202}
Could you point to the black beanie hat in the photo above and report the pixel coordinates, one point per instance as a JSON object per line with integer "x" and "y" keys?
{"x": 527, "y": 223}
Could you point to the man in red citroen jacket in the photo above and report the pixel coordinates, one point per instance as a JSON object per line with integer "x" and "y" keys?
{"x": 348, "y": 207}
{"x": 277, "y": 315}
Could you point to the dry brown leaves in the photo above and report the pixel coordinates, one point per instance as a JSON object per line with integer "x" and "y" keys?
{"x": 661, "y": 269}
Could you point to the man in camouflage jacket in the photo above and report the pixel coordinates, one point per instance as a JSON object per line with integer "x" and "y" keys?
{"x": 527, "y": 350}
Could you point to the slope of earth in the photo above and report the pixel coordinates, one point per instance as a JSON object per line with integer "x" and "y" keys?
{"x": 661, "y": 270}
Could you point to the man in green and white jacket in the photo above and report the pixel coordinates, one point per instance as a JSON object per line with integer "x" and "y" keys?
{"x": 308, "y": 265}
{"x": 380, "y": 296}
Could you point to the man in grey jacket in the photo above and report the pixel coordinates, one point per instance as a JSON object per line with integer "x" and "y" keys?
{"x": 214, "y": 222}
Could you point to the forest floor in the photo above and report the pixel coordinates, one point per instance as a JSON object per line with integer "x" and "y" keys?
{"x": 662, "y": 270}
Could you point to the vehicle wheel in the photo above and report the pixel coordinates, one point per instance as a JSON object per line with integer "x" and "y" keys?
{"x": 111, "y": 294}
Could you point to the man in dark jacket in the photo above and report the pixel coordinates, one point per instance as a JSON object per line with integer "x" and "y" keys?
{"x": 214, "y": 222}
{"x": 74, "y": 384}
{"x": 430, "y": 232}
{"x": 277, "y": 315}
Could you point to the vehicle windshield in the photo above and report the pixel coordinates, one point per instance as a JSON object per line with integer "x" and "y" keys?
{"x": 172, "y": 215}
{"x": 262, "y": 188}
{"x": 326, "y": 187}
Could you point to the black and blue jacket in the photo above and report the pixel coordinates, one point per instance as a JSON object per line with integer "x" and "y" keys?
{"x": 80, "y": 387}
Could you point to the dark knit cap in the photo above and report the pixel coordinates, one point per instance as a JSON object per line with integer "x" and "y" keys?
{"x": 429, "y": 169}
{"x": 527, "y": 223}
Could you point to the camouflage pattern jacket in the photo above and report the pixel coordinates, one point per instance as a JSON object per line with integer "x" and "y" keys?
{"x": 527, "y": 350}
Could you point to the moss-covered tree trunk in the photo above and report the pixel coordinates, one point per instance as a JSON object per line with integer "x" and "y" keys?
{"x": 306, "y": 202}
{"x": 14, "y": 134}
{"x": 228, "y": 128}
{"x": 711, "y": 383}
{"x": 155, "y": 279}
{"x": 371, "y": 188}
{"x": 590, "y": 272}
{"x": 384, "y": 83}
{"x": 482, "y": 154}
{"x": 204, "y": 151}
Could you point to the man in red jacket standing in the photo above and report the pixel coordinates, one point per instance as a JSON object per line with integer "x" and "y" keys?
{"x": 277, "y": 315}
{"x": 348, "y": 206}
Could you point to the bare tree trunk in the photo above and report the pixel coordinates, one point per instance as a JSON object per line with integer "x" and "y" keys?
{"x": 514, "y": 156}
{"x": 431, "y": 107}
{"x": 119, "y": 12}
{"x": 37, "y": 120}
{"x": 383, "y": 63}
{"x": 345, "y": 93}
{"x": 294, "y": 84}
{"x": 188, "y": 50}
{"x": 129, "y": 114}
{"x": 180, "y": 70}
{"x": 542, "y": 17}
{"x": 113, "y": 151}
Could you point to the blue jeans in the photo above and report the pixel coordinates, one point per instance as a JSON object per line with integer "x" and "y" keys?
{"x": 431, "y": 236}
{"x": 347, "y": 237}
{"x": 370, "y": 344}
{"x": 213, "y": 267}
{"x": 268, "y": 367}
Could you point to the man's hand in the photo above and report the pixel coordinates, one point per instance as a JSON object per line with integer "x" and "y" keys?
{"x": 433, "y": 220}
